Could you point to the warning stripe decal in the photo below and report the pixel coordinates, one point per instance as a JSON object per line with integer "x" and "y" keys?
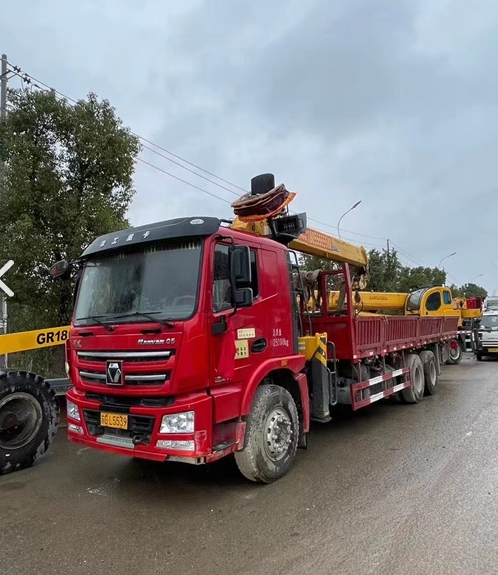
{"x": 357, "y": 388}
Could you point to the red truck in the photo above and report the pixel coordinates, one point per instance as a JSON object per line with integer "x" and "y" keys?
{"x": 190, "y": 342}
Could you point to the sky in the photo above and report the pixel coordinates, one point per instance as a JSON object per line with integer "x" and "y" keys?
{"x": 391, "y": 102}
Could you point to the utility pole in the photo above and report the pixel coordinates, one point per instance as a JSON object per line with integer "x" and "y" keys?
{"x": 3, "y": 115}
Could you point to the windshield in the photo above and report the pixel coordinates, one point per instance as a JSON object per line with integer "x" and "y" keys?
{"x": 415, "y": 299}
{"x": 489, "y": 322}
{"x": 160, "y": 279}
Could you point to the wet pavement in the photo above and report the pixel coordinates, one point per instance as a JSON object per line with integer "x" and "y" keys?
{"x": 402, "y": 489}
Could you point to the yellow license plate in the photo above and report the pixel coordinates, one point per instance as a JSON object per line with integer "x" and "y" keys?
{"x": 493, "y": 349}
{"x": 116, "y": 420}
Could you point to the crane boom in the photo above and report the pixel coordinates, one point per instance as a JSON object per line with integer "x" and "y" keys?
{"x": 316, "y": 243}
{"x": 312, "y": 242}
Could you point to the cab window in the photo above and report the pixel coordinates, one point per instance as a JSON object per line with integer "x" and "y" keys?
{"x": 254, "y": 274}
{"x": 222, "y": 291}
{"x": 433, "y": 301}
{"x": 446, "y": 297}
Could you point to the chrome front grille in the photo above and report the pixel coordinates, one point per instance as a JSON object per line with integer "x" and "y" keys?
{"x": 132, "y": 379}
{"x": 155, "y": 369}
{"x": 103, "y": 356}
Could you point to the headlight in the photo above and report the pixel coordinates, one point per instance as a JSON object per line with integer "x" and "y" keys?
{"x": 176, "y": 444}
{"x": 178, "y": 423}
{"x": 72, "y": 410}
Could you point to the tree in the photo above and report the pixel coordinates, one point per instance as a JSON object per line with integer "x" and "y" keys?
{"x": 311, "y": 263}
{"x": 473, "y": 290}
{"x": 411, "y": 278}
{"x": 67, "y": 178}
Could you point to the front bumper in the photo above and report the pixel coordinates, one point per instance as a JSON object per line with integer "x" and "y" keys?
{"x": 488, "y": 349}
{"x": 121, "y": 442}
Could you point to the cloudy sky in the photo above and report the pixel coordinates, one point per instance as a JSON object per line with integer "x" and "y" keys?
{"x": 391, "y": 102}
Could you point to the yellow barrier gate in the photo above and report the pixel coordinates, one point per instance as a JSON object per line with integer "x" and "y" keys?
{"x": 26, "y": 340}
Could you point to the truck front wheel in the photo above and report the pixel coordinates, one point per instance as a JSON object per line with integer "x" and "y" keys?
{"x": 414, "y": 393}
{"x": 28, "y": 419}
{"x": 272, "y": 434}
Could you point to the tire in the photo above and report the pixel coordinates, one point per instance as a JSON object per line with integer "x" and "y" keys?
{"x": 273, "y": 413}
{"x": 428, "y": 360}
{"x": 29, "y": 416}
{"x": 479, "y": 356}
{"x": 455, "y": 355}
{"x": 414, "y": 393}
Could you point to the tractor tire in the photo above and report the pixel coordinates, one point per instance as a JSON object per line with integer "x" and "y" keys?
{"x": 456, "y": 355}
{"x": 272, "y": 434}
{"x": 29, "y": 416}
{"x": 414, "y": 393}
{"x": 431, "y": 377}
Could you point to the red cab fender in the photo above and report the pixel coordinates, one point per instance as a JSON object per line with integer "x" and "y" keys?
{"x": 292, "y": 364}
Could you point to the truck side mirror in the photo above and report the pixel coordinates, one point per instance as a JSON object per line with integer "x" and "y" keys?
{"x": 240, "y": 267}
{"x": 60, "y": 269}
{"x": 240, "y": 276}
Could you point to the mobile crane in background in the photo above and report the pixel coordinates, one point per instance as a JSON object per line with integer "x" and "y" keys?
{"x": 191, "y": 340}
{"x": 431, "y": 301}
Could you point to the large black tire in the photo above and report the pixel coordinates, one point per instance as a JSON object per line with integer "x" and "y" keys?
{"x": 415, "y": 393}
{"x": 456, "y": 354}
{"x": 431, "y": 377}
{"x": 29, "y": 416}
{"x": 272, "y": 434}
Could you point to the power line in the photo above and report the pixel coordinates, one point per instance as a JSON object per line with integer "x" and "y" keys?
{"x": 189, "y": 170}
{"x": 31, "y": 80}
{"x": 184, "y": 181}
{"x": 192, "y": 164}
{"x": 347, "y": 231}
{"x": 28, "y": 79}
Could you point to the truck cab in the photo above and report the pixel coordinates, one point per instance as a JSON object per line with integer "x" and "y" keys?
{"x": 431, "y": 301}
{"x": 174, "y": 327}
{"x": 487, "y": 335}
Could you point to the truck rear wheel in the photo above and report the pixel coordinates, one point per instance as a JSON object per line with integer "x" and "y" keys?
{"x": 28, "y": 419}
{"x": 272, "y": 434}
{"x": 414, "y": 393}
{"x": 428, "y": 360}
{"x": 455, "y": 355}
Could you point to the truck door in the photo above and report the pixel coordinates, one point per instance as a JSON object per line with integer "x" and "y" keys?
{"x": 240, "y": 340}
{"x": 433, "y": 303}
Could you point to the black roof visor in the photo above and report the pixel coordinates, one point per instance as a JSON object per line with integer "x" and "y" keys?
{"x": 170, "y": 229}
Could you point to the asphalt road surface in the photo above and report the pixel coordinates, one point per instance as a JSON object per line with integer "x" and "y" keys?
{"x": 402, "y": 489}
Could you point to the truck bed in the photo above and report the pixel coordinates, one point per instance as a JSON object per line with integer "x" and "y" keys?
{"x": 356, "y": 338}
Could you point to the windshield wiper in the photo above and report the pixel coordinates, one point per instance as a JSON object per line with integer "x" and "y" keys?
{"x": 148, "y": 315}
{"x": 96, "y": 319}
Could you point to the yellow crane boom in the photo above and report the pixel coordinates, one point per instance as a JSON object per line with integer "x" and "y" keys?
{"x": 313, "y": 242}
{"x": 316, "y": 243}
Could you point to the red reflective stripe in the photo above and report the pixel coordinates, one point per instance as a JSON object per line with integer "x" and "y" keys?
{"x": 355, "y": 387}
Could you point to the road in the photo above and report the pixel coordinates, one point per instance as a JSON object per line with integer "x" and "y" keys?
{"x": 398, "y": 489}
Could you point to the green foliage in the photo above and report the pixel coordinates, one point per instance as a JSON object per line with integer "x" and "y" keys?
{"x": 311, "y": 263}
{"x": 387, "y": 274}
{"x": 67, "y": 178}
{"x": 469, "y": 290}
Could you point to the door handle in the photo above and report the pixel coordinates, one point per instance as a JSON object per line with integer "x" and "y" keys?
{"x": 258, "y": 345}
